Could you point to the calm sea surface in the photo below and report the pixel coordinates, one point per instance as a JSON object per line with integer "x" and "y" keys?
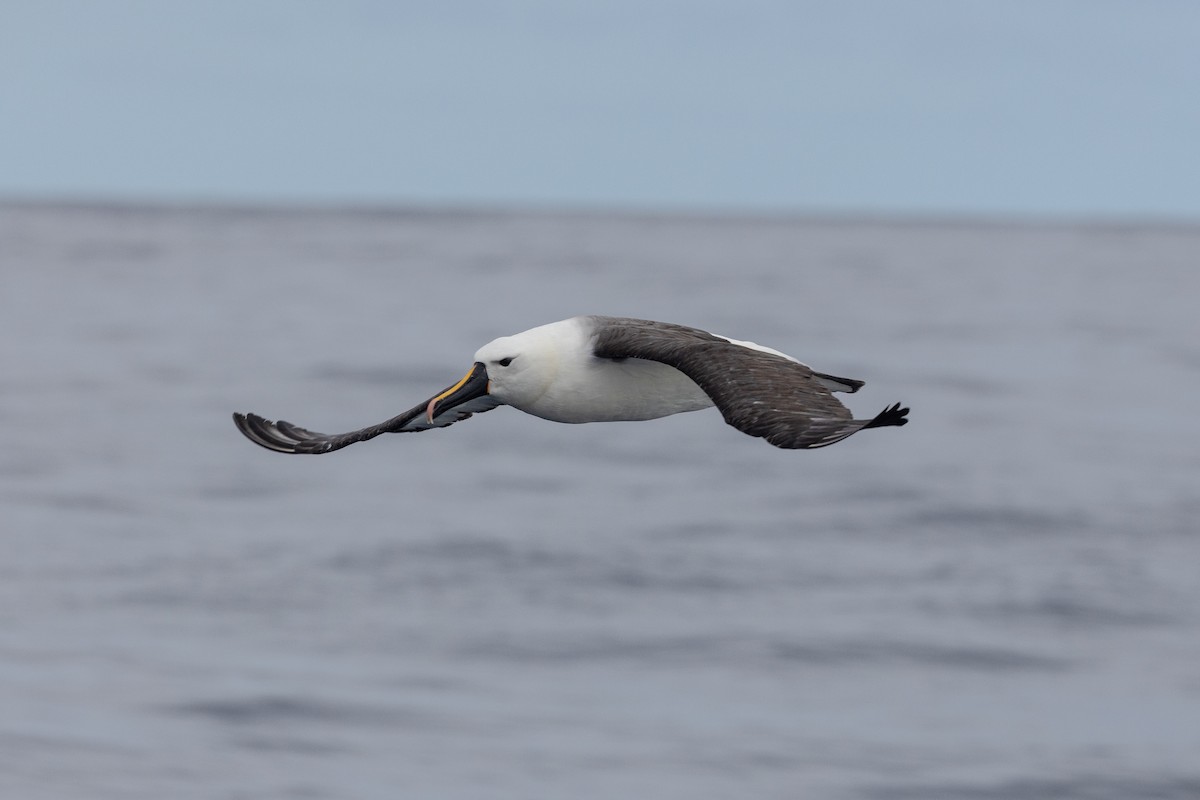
{"x": 1000, "y": 600}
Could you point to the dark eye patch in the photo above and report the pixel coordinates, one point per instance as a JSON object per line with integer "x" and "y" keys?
{"x": 504, "y": 362}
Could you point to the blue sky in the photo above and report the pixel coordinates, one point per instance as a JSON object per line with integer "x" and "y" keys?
{"x": 1053, "y": 107}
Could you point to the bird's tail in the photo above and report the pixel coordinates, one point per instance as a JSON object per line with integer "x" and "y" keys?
{"x": 835, "y": 384}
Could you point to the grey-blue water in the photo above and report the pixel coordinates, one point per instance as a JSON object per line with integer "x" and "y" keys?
{"x": 1000, "y": 600}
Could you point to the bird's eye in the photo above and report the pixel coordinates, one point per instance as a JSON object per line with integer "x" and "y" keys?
{"x": 504, "y": 362}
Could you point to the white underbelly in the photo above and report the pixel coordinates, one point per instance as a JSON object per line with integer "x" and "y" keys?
{"x": 605, "y": 390}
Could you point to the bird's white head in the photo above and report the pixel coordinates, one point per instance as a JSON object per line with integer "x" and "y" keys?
{"x": 522, "y": 367}
{"x": 514, "y": 370}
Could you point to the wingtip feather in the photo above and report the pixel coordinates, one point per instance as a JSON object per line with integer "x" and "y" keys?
{"x": 277, "y": 436}
{"x": 892, "y": 415}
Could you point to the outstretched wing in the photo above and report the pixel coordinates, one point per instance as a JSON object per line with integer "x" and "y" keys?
{"x": 759, "y": 392}
{"x": 284, "y": 437}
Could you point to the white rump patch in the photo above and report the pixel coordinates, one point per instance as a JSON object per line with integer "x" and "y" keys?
{"x": 761, "y": 349}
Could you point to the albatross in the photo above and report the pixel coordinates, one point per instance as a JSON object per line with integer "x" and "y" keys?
{"x": 608, "y": 369}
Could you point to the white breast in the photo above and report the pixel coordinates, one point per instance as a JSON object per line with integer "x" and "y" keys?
{"x": 602, "y": 390}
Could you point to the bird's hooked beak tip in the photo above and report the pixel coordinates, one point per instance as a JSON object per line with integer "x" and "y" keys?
{"x": 472, "y": 385}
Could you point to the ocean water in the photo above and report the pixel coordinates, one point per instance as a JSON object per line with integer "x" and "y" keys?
{"x": 999, "y": 600}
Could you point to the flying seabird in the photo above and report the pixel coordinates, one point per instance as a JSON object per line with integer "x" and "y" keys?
{"x": 605, "y": 369}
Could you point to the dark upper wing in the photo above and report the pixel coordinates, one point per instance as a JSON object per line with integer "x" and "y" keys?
{"x": 759, "y": 393}
{"x": 284, "y": 437}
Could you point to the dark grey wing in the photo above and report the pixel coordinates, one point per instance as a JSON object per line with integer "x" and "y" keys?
{"x": 822, "y": 433}
{"x": 759, "y": 393}
{"x": 284, "y": 437}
